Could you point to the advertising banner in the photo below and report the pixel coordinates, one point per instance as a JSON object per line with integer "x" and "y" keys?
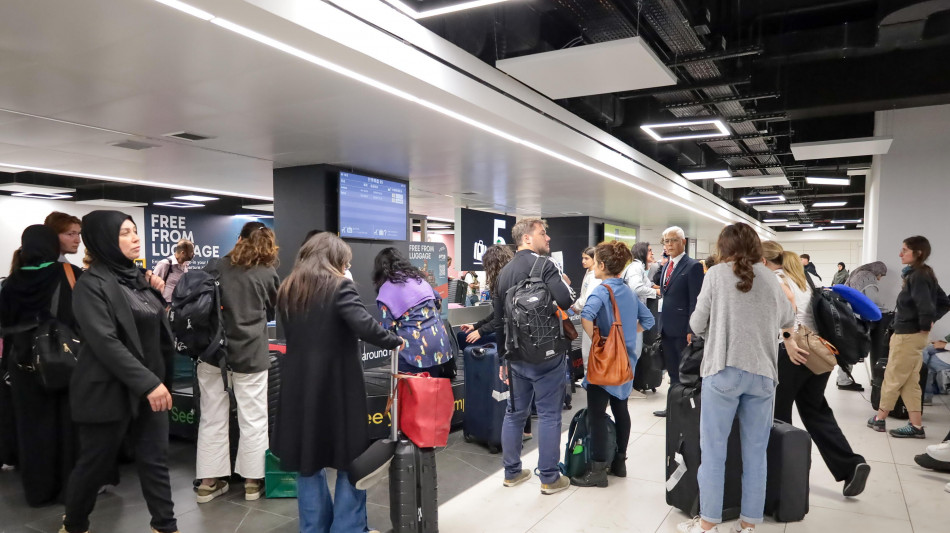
{"x": 479, "y": 230}
{"x": 213, "y": 235}
{"x": 613, "y": 232}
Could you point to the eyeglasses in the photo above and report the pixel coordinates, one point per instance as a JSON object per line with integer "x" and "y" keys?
{"x": 670, "y": 241}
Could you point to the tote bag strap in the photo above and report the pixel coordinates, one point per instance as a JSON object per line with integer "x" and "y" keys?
{"x": 70, "y": 275}
{"x": 613, "y": 303}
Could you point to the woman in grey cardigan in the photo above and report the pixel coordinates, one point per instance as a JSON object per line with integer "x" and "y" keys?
{"x": 740, "y": 311}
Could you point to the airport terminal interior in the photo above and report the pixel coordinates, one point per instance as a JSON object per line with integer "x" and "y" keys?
{"x": 432, "y": 127}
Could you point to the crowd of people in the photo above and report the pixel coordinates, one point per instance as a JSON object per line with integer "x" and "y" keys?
{"x": 750, "y": 303}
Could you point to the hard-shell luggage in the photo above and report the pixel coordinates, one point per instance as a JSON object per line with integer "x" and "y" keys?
{"x": 877, "y": 379}
{"x": 789, "y": 462}
{"x": 486, "y": 396}
{"x": 413, "y": 484}
{"x": 648, "y": 373}
{"x": 683, "y": 455}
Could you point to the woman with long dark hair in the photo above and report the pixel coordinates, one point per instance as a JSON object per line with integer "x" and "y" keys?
{"x": 321, "y": 418}
{"x": 920, "y": 303}
{"x": 39, "y": 288}
{"x": 610, "y": 258}
{"x": 493, "y": 260}
{"x": 740, "y": 310}
{"x": 119, "y": 380}
{"x": 410, "y": 307}
{"x": 248, "y": 297}
{"x": 800, "y": 386}
{"x": 590, "y": 282}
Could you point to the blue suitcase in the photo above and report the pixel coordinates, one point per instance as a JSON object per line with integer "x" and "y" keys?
{"x": 486, "y": 397}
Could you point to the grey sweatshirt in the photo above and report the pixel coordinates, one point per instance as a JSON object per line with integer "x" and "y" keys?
{"x": 741, "y": 328}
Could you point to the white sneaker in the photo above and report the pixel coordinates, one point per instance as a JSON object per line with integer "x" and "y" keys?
{"x": 695, "y": 525}
{"x": 637, "y": 395}
{"x": 940, "y": 452}
{"x": 737, "y": 528}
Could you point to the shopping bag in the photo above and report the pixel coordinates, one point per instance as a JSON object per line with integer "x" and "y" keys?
{"x": 426, "y": 405}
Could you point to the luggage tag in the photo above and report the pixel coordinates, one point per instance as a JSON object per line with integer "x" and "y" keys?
{"x": 677, "y": 474}
{"x": 499, "y": 396}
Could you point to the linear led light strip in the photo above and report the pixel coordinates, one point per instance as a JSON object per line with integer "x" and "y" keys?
{"x": 263, "y": 39}
{"x": 130, "y": 180}
{"x": 440, "y": 10}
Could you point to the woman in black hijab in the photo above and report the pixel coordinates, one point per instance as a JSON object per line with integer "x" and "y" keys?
{"x": 45, "y": 433}
{"x": 118, "y": 382}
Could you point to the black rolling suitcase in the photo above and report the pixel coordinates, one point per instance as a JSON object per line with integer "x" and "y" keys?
{"x": 413, "y": 484}
{"x": 486, "y": 396}
{"x": 648, "y": 373}
{"x": 683, "y": 455}
{"x": 880, "y": 344}
{"x": 789, "y": 463}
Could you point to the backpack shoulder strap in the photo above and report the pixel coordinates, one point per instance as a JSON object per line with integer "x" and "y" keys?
{"x": 533, "y": 266}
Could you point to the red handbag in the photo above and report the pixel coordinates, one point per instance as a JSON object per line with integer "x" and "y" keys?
{"x": 426, "y": 406}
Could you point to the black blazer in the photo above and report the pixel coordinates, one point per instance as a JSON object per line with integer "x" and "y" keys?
{"x": 112, "y": 377}
{"x": 679, "y": 296}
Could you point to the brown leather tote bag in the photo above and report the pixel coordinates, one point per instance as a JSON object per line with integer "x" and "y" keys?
{"x": 608, "y": 363}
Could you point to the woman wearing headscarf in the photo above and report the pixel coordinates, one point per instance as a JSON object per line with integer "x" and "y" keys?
{"x": 840, "y": 275}
{"x": 45, "y": 434}
{"x": 864, "y": 278}
{"x": 118, "y": 383}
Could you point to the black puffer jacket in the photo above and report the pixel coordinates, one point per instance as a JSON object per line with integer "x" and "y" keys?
{"x": 920, "y": 303}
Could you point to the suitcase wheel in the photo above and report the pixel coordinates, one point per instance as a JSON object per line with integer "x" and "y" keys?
{"x": 468, "y": 438}
{"x": 492, "y": 449}
{"x": 653, "y": 389}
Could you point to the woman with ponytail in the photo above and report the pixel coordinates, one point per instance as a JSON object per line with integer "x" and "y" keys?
{"x": 799, "y": 385}
{"x": 740, "y": 310}
{"x": 248, "y": 296}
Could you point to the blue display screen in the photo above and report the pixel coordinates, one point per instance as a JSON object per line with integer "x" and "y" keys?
{"x": 373, "y": 208}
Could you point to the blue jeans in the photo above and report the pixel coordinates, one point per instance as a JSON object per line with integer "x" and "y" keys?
{"x": 934, "y": 364}
{"x": 724, "y": 394}
{"x": 318, "y": 514}
{"x": 543, "y": 383}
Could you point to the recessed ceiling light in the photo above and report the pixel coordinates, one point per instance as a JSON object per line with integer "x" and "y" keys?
{"x": 811, "y": 229}
{"x": 42, "y": 195}
{"x": 851, "y": 221}
{"x": 798, "y": 226}
{"x": 787, "y": 210}
{"x": 830, "y": 204}
{"x": 254, "y": 217}
{"x": 707, "y": 174}
{"x": 195, "y": 198}
{"x": 814, "y": 180}
{"x": 401, "y": 6}
{"x": 183, "y": 205}
{"x": 833, "y": 227}
{"x": 260, "y": 207}
{"x": 771, "y": 180}
{"x": 763, "y": 199}
{"x": 720, "y": 126}
{"x": 768, "y": 220}
{"x": 105, "y": 202}
{"x": 35, "y": 189}
{"x": 860, "y": 226}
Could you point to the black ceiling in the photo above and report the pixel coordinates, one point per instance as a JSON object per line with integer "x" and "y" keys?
{"x": 779, "y": 71}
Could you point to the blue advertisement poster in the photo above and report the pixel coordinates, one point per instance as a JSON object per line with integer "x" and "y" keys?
{"x": 213, "y": 235}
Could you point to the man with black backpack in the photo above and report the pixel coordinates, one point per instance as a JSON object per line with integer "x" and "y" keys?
{"x": 530, "y": 289}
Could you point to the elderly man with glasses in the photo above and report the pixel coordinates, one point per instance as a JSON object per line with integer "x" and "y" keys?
{"x": 680, "y": 282}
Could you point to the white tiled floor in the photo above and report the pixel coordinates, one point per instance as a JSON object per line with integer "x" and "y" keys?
{"x": 900, "y": 496}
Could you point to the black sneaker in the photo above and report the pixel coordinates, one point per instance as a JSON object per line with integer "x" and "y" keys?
{"x": 853, "y": 386}
{"x": 877, "y": 425}
{"x": 908, "y": 432}
{"x": 859, "y": 478}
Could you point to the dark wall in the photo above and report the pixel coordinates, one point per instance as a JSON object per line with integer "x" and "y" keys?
{"x": 570, "y": 235}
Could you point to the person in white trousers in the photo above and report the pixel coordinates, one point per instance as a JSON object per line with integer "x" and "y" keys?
{"x": 249, "y": 285}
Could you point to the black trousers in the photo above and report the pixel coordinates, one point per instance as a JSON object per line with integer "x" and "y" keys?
{"x": 46, "y": 438}
{"x": 797, "y": 384}
{"x": 597, "y": 400}
{"x": 95, "y": 467}
{"x": 672, "y": 352}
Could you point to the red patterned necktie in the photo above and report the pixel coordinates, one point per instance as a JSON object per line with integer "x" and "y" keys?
{"x": 669, "y": 272}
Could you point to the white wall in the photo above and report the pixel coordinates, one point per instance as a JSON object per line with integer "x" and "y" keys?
{"x": 911, "y": 192}
{"x": 826, "y": 254}
{"x": 18, "y": 213}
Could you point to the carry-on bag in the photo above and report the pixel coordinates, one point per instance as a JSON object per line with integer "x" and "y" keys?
{"x": 683, "y": 455}
{"x": 577, "y": 449}
{"x": 789, "y": 462}
{"x": 413, "y": 485}
{"x": 427, "y": 405}
{"x": 486, "y": 396}
{"x": 609, "y": 363}
{"x": 877, "y": 379}
{"x": 648, "y": 373}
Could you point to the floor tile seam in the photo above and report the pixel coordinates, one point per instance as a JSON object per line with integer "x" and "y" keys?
{"x": 900, "y": 483}
{"x": 570, "y": 494}
{"x": 477, "y": 468}
{"x": 243, "y": 519}
{"x": 861, "y": 513}
{"x": 244, "y": 505}
{"x": 665, "y": 518}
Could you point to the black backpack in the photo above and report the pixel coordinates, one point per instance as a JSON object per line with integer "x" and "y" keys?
{"x": 578, "y": 454}
{"x": 196, "y": 317}
{"x": 533, "y": 329}
{"x": 837, "y": 324}
{"x": 691, "y": 361}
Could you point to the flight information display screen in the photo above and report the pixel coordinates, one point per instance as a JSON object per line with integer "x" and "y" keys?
{"x": 373, "y": 208}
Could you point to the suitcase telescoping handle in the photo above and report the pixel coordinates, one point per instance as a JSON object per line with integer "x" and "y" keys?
{"x": 394, "y": 393}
